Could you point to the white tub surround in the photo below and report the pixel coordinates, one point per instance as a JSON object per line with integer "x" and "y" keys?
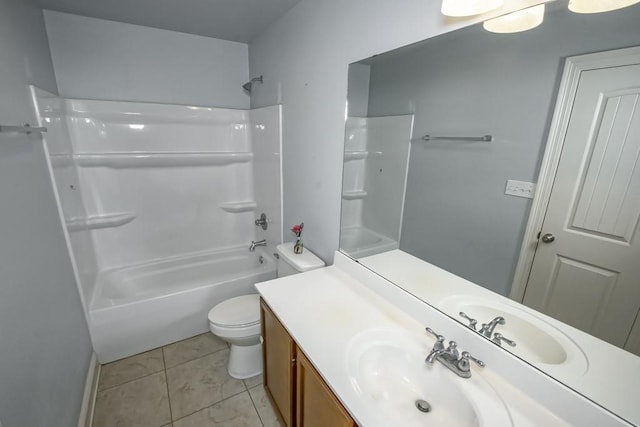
{"x": 158, "y": 203}
{"x": 334, "y": 305}
{"x": 375, "y": 166}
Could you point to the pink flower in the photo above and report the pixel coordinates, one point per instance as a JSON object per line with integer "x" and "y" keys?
{"x": 297, "y": 229}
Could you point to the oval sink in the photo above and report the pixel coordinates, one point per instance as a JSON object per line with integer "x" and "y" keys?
{"x": 387, "y": 369}
{"x": 537, "y": 341}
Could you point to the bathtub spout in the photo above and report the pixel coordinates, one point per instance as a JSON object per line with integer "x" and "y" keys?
{"x": 258, "y": 243}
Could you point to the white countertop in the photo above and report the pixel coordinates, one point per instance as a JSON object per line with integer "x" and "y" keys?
{"x": 324, "y": 309}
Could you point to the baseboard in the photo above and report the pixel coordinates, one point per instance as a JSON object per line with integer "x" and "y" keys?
{"x": 90, "y": 390}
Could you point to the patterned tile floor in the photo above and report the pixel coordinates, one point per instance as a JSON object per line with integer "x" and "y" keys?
{"x": 184, "y": 384}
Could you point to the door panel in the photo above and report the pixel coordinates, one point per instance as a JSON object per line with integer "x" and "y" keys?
{"x": 612, "y": 166}
{"x": 587, "y": 286}
{"x": 589, "y": 276}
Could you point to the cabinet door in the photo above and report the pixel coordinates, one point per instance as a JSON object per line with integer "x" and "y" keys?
{"x": 316, "y": 405}
{"x": 278, "y": 357}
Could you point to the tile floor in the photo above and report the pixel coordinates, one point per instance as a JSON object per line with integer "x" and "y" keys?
{"x": 184, "y": 384}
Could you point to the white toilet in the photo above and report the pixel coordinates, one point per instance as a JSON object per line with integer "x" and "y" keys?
{"x": 237, "y": 320}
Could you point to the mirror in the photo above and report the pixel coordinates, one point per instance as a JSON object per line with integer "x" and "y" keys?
{"x": 444, "y": 202}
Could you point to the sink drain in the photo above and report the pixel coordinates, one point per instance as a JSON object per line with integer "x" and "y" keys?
{"x": 423, "y": 405}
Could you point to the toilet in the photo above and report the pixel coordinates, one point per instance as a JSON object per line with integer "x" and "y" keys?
{"x": 237, "y": 320}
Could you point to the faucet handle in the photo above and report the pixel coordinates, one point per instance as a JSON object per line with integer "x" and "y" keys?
{"x": 472, "y": 322}
{"x": 439, "y": 337}
{"x": 498, "y": 338}
{"x": 463, "y": 363}
{"x": 262, "y": 221}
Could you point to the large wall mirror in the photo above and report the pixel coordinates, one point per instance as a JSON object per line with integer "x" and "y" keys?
{"x": 461, "y": 199}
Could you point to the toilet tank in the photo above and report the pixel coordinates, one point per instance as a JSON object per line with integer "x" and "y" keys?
{"x": 290, "y": 263}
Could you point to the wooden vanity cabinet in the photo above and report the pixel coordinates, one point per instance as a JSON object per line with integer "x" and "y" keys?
{"x": 298, "y": 392}
{"x": 278, "y": 361}
{"x": 316, "y": 405}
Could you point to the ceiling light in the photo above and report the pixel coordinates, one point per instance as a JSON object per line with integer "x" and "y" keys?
{"x": 458, "y": 8}
{"x": 515, "y": 22}
{"x": 597, "y": 6}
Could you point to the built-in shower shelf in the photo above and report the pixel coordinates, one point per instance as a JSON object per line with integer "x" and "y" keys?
{"x": 355, "y": 155}
{"x": 61, "y": 160}
{"x": 354, "y": 195}
{"x": 155, "y": 159}
{"x": 237, "y": 207}
{"x": 95, "y": 222}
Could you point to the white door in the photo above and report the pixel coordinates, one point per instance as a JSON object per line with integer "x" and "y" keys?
{"x": 586, "y": 269}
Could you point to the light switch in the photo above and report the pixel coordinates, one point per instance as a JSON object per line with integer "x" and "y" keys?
{"x": 520, "y": 189}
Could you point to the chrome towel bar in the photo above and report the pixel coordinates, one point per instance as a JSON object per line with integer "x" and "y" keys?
{"x": 485, "y": 138}
{"x": 21, "y": 129}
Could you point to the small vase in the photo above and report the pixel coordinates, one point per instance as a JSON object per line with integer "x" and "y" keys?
{"x": 298, "y": 247}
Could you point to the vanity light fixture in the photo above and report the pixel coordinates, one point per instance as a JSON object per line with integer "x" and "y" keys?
{"x": 458, "y": 8}
{"x": 597, "y": 6}
{"x": 521, "y": 20}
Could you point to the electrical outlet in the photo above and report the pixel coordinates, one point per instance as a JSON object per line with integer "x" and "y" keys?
{"x": 520, "y": 189}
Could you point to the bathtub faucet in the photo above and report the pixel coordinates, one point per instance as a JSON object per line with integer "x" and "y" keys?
{"x": 258, "y": 243}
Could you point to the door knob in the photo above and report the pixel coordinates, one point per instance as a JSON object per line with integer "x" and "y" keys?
{"x": 548, "y": 238}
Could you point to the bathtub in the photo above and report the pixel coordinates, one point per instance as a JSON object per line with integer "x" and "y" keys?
{"x": 141, "y": 307}
{"x": 360, "y": 242}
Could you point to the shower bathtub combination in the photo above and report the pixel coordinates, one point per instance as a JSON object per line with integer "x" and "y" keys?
{"x": 158, "y": 204}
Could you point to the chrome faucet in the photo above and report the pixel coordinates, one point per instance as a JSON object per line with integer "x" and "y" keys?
{"x": 258, "y": 243}
{"x": 487, "y": 328}
{"x": 451, "y": 357}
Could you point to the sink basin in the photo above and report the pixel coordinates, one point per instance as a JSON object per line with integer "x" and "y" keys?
{"x": 537, "y": 341}
{"x": 387, "y": 370}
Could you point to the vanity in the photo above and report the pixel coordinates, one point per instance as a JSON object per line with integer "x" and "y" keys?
{"x": 297, "y": 391}
{"x": 485, "y": 177}
{"x": 480, "y": 179}
{"x": 343, "y": 347}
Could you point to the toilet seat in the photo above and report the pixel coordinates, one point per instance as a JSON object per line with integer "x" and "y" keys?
{"x": 238, "y": 312}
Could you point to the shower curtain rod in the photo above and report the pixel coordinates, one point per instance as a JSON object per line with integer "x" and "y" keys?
{"x": 21, "y": 129}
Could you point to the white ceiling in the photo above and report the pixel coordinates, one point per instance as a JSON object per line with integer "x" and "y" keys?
{"x": 236, "y": 20}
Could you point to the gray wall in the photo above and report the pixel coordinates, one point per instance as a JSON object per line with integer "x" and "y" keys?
{"x": 304, "y": 57}
{"x": 358, "y": 92}
{"x": 44, "y": 342}
{"x": 99, "y": 59}
{"x": 472, "y": 82}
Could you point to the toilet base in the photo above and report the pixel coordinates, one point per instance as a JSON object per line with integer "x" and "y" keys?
{"x": 245, "y": 361}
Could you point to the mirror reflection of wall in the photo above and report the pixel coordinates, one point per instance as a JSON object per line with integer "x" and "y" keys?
{"x": 472, "y": 82}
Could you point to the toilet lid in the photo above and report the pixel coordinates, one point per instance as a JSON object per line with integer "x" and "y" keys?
{"x": 236, "y": 312}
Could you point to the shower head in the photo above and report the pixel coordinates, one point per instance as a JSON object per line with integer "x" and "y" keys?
{"x": 247, "y": 86}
